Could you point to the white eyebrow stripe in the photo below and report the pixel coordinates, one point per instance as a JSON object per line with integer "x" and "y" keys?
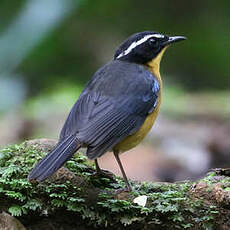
{"x": 139, "y": 42}
{"x": 158, "y": 36}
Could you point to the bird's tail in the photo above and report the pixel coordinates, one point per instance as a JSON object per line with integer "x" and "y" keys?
{"x": 55, "y": 159}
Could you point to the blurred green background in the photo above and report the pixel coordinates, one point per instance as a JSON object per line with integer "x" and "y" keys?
{"x": 50, "y": 48}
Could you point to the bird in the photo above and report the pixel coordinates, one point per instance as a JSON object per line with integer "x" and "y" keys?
{"x": 117, "y": 107}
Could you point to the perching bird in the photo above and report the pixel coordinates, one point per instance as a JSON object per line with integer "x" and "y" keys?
{"x": 117, "y": 107}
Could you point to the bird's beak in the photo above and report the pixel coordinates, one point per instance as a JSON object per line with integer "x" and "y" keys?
{"x": 173, "y": 40}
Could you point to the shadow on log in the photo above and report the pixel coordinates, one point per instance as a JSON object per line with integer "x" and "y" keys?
{"x": 74, "y": 198}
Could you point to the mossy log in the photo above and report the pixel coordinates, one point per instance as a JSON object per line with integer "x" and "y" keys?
{"x": 75, "y": 198}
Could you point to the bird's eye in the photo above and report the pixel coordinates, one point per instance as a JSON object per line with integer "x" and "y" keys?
{"x": 152, "y": 41}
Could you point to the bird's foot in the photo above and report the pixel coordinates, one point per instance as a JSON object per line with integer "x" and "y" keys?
{"x": 105, "y": 174}
{"x": 123, "y": 190}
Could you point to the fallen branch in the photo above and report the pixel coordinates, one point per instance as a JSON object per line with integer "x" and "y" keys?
{"x": 74, "y": 198}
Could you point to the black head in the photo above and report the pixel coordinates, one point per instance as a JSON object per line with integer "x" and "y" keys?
{"x": 144, "y": 46}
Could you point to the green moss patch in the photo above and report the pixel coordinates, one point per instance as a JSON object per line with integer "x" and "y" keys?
{"x": 96, "y": 202}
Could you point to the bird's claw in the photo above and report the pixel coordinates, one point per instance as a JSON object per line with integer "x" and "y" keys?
{"x": 105, "y": 174}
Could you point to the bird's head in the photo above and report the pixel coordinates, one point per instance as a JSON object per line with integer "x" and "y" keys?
{"x": 144, "y": 47}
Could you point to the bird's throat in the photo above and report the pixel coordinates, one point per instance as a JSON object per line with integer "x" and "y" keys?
{"x": 154, "y": 65}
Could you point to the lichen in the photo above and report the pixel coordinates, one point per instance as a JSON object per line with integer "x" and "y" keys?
{"x": 168, "y": 205}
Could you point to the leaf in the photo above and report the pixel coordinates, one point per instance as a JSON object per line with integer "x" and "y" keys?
{"x": 33, "y": 204}
{"x": 15, "y": 210}
{"x": 127, "y": 220}
{"x": 58, "y": 203}
{"x": 15, "y": 195}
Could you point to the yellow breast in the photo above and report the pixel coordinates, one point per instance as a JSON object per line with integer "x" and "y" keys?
{"x": 134, "y": 139}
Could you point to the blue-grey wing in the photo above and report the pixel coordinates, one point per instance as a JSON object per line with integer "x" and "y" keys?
{"x": 114, "y": 104}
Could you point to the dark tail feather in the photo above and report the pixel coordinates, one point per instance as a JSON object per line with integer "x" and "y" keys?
{"x": 55, "y": 159}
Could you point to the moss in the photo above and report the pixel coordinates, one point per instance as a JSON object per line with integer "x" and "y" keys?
{"x": 168, "y": 205}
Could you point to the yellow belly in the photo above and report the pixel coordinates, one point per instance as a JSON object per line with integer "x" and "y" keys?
{"x": 134, "y": 139}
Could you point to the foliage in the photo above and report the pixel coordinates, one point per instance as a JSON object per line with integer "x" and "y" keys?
{"x": 86, "y": 39}
{"x": 166, "y": 203}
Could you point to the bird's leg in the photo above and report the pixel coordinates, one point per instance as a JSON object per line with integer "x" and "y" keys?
{"x": 116, "y": 154}
{"x": 97, "y": 166}
{"x": 102, "y": 172}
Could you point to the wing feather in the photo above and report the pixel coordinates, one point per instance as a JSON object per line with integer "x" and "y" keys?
{"x": 113, "y": 105}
